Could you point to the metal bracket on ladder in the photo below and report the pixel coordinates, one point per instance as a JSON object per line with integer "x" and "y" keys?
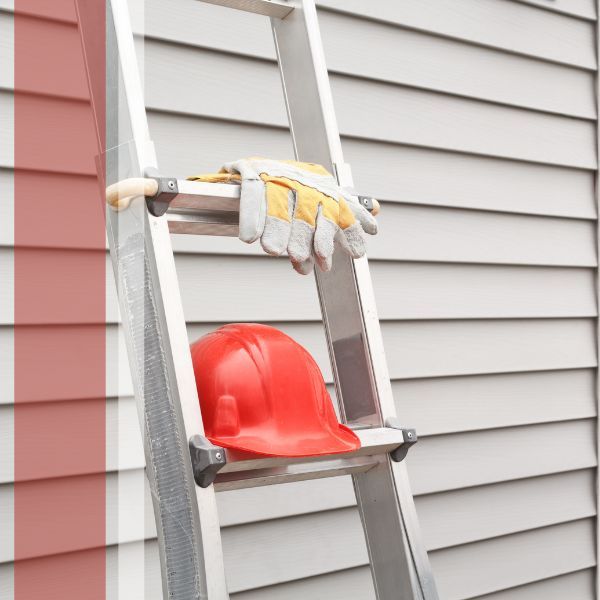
{"x": 207, "y": 460}
{"x": 167, "y": 190}
{"x": 184, "y": 469}
{"x": 409, "y": 438}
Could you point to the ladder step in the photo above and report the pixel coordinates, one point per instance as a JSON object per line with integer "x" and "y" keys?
{"x": 192, "y": 207}
{"x": 295, "y": 472}
{"x": 238, "y": 473}
{"x": 205, "y": 208}
{"x": 268, "y": 8}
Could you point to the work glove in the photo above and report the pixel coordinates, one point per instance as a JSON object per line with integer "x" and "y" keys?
{"x": 297, "y": 207}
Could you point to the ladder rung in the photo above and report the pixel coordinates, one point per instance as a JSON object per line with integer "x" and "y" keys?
{"x": 294, "y": 472}
{"x": 198, "y": 195}
{"x": 268, "y": 8}
{"x": 238, "y": 474}
{"x": 205, "y": 208}
{"x": 196, "y": 207}
{"x": 204, "y": 223}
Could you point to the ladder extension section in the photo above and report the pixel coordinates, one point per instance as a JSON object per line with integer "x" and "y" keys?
{"x": 184, "y": 469}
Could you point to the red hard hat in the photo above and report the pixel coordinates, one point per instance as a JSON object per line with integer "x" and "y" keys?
{"x": 263, "y": 393}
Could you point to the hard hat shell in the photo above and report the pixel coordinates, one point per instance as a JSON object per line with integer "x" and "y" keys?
{"x": 262, "y": 393}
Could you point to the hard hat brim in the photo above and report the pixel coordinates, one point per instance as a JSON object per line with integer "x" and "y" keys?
{"x": 337, "y": 442}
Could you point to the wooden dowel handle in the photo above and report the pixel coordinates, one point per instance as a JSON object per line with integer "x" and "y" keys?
{"x": 119, "y": 195}
{"x": 376, "y": 208}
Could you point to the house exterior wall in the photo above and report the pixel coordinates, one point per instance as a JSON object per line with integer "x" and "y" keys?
{"x": 474, "y": 122}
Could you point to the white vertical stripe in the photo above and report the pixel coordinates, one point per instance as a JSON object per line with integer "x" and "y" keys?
{"x": 7, "y": 390}
{"x": 597, "y": 582}
{"x": 131, "y": 557}
{"x": 125, "y": 497}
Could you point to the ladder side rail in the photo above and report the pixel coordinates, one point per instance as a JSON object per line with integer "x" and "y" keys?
{"x": 154, "y": 325}
{"x": 269, "y": 8}
{"x": 399, "y": 561}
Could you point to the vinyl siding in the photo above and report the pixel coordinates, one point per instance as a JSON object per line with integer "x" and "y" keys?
{"x": 475, "y": 123}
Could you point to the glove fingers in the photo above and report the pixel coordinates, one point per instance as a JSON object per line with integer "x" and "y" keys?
{"x": 304, "y": 267}
{"x": 280, "y": 203}
{"x": 352, "y": 241}
{"x": 367, "y": 221}
{"x": 253, "y": 211}
{"x": 325, "y": 231}
{"x": 324, "y": 263}
{"x": 302, "y": 233}
{"x": 300, "y": 241}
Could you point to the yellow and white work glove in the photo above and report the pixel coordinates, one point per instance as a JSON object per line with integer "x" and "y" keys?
{"x": 297, "y": 207}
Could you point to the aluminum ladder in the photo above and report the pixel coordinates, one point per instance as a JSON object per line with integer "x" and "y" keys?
{"x": 183, "y": 468}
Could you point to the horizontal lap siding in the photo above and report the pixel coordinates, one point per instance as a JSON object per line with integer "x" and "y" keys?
{"x": 456, "y": 576}
{"x": 489, "y": 23}
{"x": 408, "y": 290}
{"x": 289, "y": 545}
{"x": 576, "y": 586}
{"x": 586, "y": 9}
{"x": 415, "y": 349}
{"x": 356, "y": 586}
{"x": 442, "y": 149}
{"x": 474, "y": 122}
{"x": 430, "y": 460}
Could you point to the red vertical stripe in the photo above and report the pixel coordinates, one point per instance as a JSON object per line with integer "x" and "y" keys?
{"x": 60, "y": 441}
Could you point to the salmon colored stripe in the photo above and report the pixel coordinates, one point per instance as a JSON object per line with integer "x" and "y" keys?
{"x": 59, "y": 342}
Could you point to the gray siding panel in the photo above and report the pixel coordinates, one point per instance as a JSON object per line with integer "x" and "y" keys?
{"x": 355, "y": 584}
{"x": 575, "y": 586}
{"x": 523, "y": 557}
{"x": 507, "y": 507}
{"x": 433, "y": 349}
{"x": 457, "y": 579}
{"x": 403, "y": 115}
{"x": 519, "y": 29}
{"x": 449, "y": 235}
{"x": 443, "y": 348}
{"x": 439, "y": 463}
{"x": 415, "y": 349}
{"x": 350, "y": 584}
{"x": 586, "y": 9}
{"x": 427, "y": 290}
{"x": 451, "y": 404}
{"x": 455, "y": 461}
{"x": 386, "y": 53}
{"x": 488, "y": 23}
{"x": 449, "y": 518}
{"x": 442, "y": 178}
